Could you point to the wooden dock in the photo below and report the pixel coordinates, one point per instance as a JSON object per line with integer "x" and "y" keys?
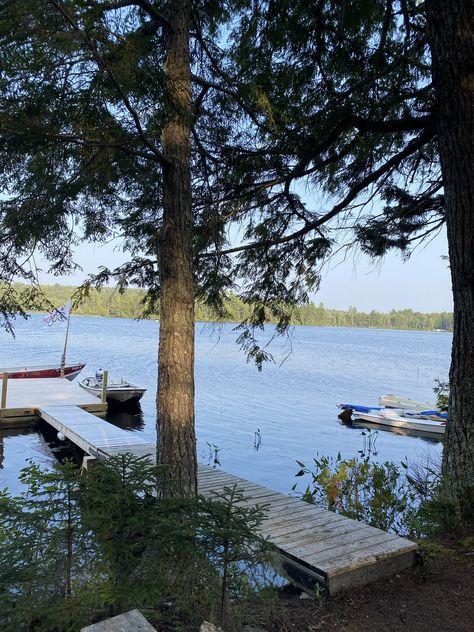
{"x": 23, "y": 398}
{"x": 315, "y": 545}
{"x": 93, "y": 435}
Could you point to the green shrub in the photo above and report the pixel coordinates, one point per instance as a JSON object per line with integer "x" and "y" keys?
{"x": 357, "y": 488}
{"x": 407, "y": 499}
{"x": 76, "y": 549}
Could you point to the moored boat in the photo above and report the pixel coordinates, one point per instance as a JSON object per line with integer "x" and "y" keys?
{"x": 433, "y": 413}
{"x": 395, "y": 401}
{"x": 23, "y": 372}
{"x": 431, "y": 421}
{"x": 117, "y": 390}
{"x": 392, "y": 418}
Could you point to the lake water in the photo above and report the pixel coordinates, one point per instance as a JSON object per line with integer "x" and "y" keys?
{"x": 260, "y": 422}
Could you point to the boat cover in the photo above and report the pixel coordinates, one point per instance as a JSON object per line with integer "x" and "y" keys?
{"x": 358, "y": 408}
{"x": 427, "y": 413}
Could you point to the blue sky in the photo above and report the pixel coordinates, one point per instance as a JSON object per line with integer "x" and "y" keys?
{"x": 422, "y": 283}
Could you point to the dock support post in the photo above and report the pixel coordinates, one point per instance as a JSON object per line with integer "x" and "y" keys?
{"x": 105, "y": 378}
{"x": 3, "y": 403}
{"x": 88, "y": 463}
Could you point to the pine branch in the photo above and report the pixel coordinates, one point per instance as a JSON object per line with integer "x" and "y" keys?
{"x": 142, "y": 4}
{"x": 409, "y": 150}
{"x": 104, "y": 64}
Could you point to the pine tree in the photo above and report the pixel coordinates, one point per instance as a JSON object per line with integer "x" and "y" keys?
{"x": 177, "y": 124}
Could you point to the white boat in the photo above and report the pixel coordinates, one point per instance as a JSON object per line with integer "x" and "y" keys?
{"x": 118, "y": 390}
{"x": 394, "y": 419}
{"x": 394, "y": 401}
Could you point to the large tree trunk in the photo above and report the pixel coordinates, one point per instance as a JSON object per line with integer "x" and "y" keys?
{"x": 451, "y": 31}
{"x": 175, "y": 425}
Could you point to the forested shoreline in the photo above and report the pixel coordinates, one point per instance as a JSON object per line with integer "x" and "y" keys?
{"x": 110, "y": 303}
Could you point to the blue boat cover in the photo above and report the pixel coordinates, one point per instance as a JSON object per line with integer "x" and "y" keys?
{"x": 429, "y": 413}
{"x": 433, "y": 413}
{"x": 359, "y": 409}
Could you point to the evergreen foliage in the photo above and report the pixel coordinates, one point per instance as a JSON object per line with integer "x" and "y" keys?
{"x": 356, "y": 99}
{"x": 129, "y": 304}
{"x": 336, "y": 96}
{"x": 229, "y": 540}
{"x": 75, "y": 549}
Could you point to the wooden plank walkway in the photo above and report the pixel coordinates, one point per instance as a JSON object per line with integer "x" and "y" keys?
{"x": 93, "y": 435}
{"x": 333, "y": 550}
{"x": 24, "y": 398}
{"x": 312, "y": 542}
{"x": 132, "y": 621}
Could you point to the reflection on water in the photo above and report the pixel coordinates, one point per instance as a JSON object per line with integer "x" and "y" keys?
{"x": 11, "y": 432}
{"x": 360, "y": 424}
{"x": 61, "y": 450}
{"x": 128, "y": 416}
{"x": 19, "y": 446}
{"x": 257, "y": 440}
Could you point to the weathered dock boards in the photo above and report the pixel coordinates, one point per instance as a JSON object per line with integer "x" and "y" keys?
{"x": 93, "y": 435}
{"x": 312, "y": 542}
{"x": 132, "y": 621}
{"x": 337, "y": 551}
{"x": 25, "y": 397}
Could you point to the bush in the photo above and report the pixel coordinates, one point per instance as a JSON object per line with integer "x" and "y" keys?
{"x": 357, "y": 488}
{"x": 406, "y": 499}
{"x": 74, "y": 550}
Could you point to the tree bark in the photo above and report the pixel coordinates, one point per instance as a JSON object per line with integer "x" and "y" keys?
{"x": 451, "y": 32}
{"x": 176, "y": 442}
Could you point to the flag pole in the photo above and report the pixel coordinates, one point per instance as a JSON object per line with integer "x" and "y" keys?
{"x": 63, "y": 357}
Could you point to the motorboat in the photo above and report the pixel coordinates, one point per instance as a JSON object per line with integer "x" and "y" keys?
{"x": 117, "y": 390}
{"x": 22, "y": 372}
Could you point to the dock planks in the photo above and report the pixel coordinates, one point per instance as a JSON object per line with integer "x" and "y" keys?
{"x": 312, "y": 542}
{"x": 24, "y": 398}
{"x": 93, "y": 435}
{"x": 332, "y": 549}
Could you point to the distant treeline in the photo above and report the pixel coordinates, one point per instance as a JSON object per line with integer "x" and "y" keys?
{"x": 109, "y": 302}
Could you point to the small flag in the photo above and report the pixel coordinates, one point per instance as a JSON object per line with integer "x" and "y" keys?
{"x": 58, "y": 314}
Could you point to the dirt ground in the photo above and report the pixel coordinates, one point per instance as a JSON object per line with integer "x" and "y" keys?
{"x": 436, "y": 596}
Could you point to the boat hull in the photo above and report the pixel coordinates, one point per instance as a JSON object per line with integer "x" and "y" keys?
{"x": 22, "y": 373}
{"x": 115, "y": 393}
{"x": 406, "y": 423}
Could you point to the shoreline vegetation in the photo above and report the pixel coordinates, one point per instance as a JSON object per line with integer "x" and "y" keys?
{"x": 109, "y": 302}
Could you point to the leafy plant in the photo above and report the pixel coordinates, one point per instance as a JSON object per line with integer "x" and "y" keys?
{"x": 357, "y": 488}
{"x": 213, "y": 454}
{"x": 441, "y": 391}
{"x": 407, "y": 499}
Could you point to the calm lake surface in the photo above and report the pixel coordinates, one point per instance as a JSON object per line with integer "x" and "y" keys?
{"x": 260, "y": 422}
